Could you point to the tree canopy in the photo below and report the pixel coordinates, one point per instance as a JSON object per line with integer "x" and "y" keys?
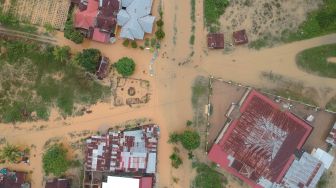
{"x": 89, "y": 58}
{"x": 125, "y": 66}
{"x": 190, "y": 140}
{"x": 55, "y": 161}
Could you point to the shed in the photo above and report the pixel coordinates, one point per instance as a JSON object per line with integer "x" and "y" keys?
{"x": 103, "y": 68}
{"x": 216, "y": 40}
{"x": 240, "y": 37}
{"x": 58, "y": 183}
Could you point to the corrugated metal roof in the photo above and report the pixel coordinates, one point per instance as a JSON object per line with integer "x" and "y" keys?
{"x": 151, "y": 166}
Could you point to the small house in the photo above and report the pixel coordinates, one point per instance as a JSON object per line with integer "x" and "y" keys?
{"x": 240, "y": 37}
{"x": 58, "y": 183}
{"x": 216, "y": 40}
{"x": 103, "y": 68}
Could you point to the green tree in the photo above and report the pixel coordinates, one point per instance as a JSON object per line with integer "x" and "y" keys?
{"x": 189, "y": 123}
{"x": 11, "y": 153}
{"x": 160, "y": 34}
{"x": 61, "y": 54}
{"x": 77, "y": 37}
{"x": 174, "y": 138}
{"x": 89, "y": 58}
{"x": 159, "y": 23}
{"x": 176, "y": 160}
{"x": 190, "y": 140}
{"x": 55, "y": 161}
{"x": 125, "y": 66}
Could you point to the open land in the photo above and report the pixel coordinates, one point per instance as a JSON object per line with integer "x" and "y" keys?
{"x": 174, "y": 73}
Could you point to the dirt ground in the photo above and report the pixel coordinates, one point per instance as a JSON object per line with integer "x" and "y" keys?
{"x": 223, "y": 96}
{"x": 170, "y": 104}
{"x": 265, "y": 17}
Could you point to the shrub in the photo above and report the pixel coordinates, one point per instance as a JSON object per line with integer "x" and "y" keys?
{"x": 176, "y": 160}
{"x": 160, "y": 34}
{"x": 190, "y": 140}
{"x": 55, "y": 161}
{"x": 153, "y": 42}
{"x": 10, "y": 153}
{"x": 159, "y": 23}
{"x": 62, "y": 54}
{"x": 189, "y": 123}
{"x": 125, "y": 66}
{"x": 146, "y": 42}
{"x": 134, "y": 44}
{"x": 126, "y": 43}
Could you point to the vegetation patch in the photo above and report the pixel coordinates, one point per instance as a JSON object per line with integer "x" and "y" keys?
{"x": 36, "y": 77}
{"x": 331, "y": 105}
{"x": 213, "y": 9}
{"x": 319, "y": 22}
{"x": 190, "y": 140}
{"x": 55, "y": 160}
{"x": 207, "y": 177}
{"x": 175, "y": 159}
{"x": 315, "y": 60}
{"x": 70, "y": 32}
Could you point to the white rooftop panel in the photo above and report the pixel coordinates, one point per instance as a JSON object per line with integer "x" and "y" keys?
{"x": 121, "y": 182}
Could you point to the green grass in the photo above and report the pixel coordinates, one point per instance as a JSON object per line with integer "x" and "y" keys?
{"x": 32, "y": 82}
{"x": 331, "y": 105}
{"x": 314, "y": 60}
{"x": 319, "y": 22}
{"x": 213, "y": 9}
{"x": 293, "y": 95}
{"x": 200, "y": 91}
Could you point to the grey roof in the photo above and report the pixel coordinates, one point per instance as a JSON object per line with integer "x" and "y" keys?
{"x": 147, "y": 23}
{"x": 135, "y": 20}
{"x": 151, "y": 165}
{"x": 306, "y": 171}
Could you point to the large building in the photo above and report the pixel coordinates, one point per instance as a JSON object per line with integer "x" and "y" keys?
{"x": 260, "y": 142}
{"x": 121, "y": 153}
{"x": 135, "y": 18}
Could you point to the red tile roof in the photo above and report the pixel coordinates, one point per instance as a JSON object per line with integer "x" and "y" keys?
{"x": 261, "y": 142}
{"x": 87, "y": 18}
{"x": 216, "y": 40}
{"x": 240, "y": 37}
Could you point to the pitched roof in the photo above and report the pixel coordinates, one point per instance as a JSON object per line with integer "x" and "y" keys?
{"x": 85, "y": 19}
{"x": 58, "y": 183}
{"x": 261, "y": 142}
{"x": 135, "y": 20}
{"x": 100, "y": 36}
{"x": 146, "y": 182}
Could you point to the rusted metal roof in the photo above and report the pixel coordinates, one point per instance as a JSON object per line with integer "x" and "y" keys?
{"x": 261, "y": 142}
{"x": 331, "y": 139}
{"x": 240, "y": 37}
{"x": 123, "y": 151}
{"x": 216, "y": 40}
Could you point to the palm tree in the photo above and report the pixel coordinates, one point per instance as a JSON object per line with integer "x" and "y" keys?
{"x": 62, "y": 54}
{"x": 10, "y": 153}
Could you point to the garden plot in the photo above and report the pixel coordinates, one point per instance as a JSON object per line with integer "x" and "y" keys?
{"x": 40, "y": 12}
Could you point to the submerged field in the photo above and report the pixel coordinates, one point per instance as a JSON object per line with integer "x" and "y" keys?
{"x": 32, "y": 82}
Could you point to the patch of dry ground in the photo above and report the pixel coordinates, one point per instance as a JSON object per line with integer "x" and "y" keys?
{"x": 265, "y": 17}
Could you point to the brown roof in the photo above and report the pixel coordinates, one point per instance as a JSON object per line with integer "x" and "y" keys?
{"x": 58, "y": 183}
{"x": 12, "y": 179}
{"x": 216, "y": 40}
{"x": 107, "y": 17}
{"x": 240, "y": 37}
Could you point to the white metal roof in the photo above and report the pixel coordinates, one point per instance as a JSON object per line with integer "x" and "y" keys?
{"x": 121, "y": 182}
{"x": 324, "y": 157}
{"x": 151, "y": 164}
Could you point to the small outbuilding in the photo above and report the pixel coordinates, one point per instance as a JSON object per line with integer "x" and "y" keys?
{"x": 103, "y": 68}
{"x": 216, "y": 40}
{"x": 240, "y": 37}
{"x": 58, "y": 183}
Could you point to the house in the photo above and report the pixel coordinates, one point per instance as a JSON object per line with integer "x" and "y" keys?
{"x": 331, "y": 138}
{"x": 103, "y": 68}
{"x": 240, "y": 37}
{"x": 127, "y": 182}
{"x": 58, "y": 183}
{"x": 259, "y": 144}
{"x": 135, "y": 19}
{"x": 96, "y": 19}
{"x": 13, "y": 179}
{"x": 216, "y": 40}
